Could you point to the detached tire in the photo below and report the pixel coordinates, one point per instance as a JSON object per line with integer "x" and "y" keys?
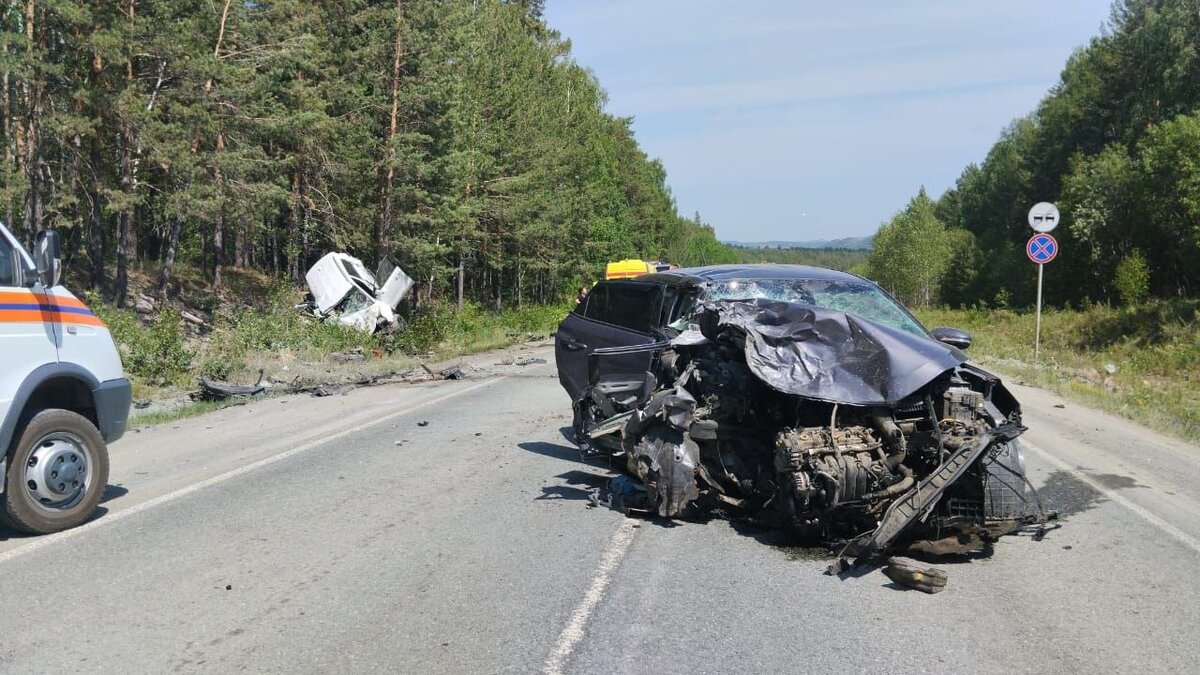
{"x": 57, "y": 470}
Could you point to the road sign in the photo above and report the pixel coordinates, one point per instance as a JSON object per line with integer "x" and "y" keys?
{"x": 1041, "y": 248}
{"x": 1043, "y": 217}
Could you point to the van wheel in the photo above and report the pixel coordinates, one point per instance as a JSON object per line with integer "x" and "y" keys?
{"x": 57, "y": 471}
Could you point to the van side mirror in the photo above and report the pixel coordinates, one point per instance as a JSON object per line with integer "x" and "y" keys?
{"x": 45, "y": 257}
{"x": 955, "y": 337}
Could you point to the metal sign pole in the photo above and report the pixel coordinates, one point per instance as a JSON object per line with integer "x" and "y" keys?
{"x": 1037, "y": 333}
{"x": 1041, "y": 249}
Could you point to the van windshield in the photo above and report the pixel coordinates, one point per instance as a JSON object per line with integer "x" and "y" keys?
{"x": 852, "y": 297}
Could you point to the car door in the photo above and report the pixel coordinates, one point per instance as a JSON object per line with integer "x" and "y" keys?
{"x": 614, "y": 314}
{"x": 28, "y": 330}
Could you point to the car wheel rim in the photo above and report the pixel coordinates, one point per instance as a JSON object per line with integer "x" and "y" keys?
{"x": 58, "y": 471}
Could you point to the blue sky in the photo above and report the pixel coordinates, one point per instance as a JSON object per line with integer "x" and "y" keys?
{"x": 796, "y": 120}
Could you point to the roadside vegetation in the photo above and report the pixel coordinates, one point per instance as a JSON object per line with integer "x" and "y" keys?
{"x": 1141, "y": 362}
{"x": 198, "y": 157}
{"x": 846, "y": 260}
{"x": 203, "y": 155}
{"x": 458, "y": 138}
{"x": 1116, "y": 145}
{"x": 264, "y": 326}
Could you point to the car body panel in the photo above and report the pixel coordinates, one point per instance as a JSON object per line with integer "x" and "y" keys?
{"x": 580, "y": 335}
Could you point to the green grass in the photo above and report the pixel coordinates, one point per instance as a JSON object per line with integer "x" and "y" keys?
{"x": 1153, "y": 350}
{"x": 192, "y": 409}
{"x": 448, "y": 333}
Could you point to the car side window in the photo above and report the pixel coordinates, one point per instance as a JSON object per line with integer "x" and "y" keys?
{"x": 686, "y": 305}
{"x": 8, "y": 264}
{"x": 596, "y": 302}
{"x": 670, "y": 293}
{"x": 630, "y": 305}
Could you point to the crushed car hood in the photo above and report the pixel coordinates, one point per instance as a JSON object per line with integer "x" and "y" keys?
{"x": 828, "y": 355}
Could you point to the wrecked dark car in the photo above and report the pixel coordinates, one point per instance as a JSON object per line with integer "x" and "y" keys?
{"x": 808, "y": 398}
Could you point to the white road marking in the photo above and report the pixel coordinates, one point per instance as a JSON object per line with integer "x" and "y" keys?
{"x": 51, "y": 539}
{"x": 1140, "y": 511}
{"x": 573, "y": 632}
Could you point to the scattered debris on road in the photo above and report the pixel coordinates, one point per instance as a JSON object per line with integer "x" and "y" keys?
{"x": 220, "y": 391}
{"x": 333, "y": 390}
{"x": 914, "y": 574}
{"x": 624, "y": 494}
{"x": 344, "y": 291}
{"x": 523, "y": 361}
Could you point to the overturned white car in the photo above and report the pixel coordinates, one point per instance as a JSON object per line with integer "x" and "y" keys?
{"x": 343, "y": 290}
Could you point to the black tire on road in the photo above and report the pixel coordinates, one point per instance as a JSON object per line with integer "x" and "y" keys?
{"x": 80, "y": 441}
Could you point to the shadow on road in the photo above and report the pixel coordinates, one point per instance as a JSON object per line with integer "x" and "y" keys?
{"x": 110, "y": 493}
{"x": 577, "y": 485}
{"x": 565, "y": 453}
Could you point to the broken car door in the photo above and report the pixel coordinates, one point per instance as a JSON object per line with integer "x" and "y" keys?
{"x": 614, "y": 314}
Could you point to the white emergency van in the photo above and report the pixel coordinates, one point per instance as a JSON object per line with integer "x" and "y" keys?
{"x": 63, "y": 394}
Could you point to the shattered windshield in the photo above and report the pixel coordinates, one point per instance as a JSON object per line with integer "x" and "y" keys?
{"x": 852, "y": 297}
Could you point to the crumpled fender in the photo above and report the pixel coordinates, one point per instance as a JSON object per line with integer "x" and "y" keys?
{"x": 655, "y": 436}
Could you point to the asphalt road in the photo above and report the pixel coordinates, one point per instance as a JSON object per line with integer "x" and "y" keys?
{"x": 343, "y": 535}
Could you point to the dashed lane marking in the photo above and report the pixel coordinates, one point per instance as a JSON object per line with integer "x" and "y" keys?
{"x": 573, "y": 632}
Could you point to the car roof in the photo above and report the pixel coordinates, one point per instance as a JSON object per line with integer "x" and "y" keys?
{"x": 693, "y": 275}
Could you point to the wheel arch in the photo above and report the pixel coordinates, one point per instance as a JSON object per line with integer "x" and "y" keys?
{"x": 53, "y": 385}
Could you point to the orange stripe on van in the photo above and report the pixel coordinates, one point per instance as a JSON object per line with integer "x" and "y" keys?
{"x": 47, "y": 316}
{"x": 31, "y": 297}
{"x": 29, "y": 307}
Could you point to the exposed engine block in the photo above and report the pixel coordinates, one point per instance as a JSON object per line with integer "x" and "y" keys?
{"x": 827, "y": 468}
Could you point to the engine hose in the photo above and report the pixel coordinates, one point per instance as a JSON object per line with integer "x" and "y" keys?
{"x": 837, "y": 488}
{"x": 896, "y": 488}
{"x": 897, "y": 446}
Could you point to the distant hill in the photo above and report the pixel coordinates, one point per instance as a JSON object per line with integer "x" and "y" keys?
{"x": 845, "y": 243}
{"x": 847, "y": 260}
